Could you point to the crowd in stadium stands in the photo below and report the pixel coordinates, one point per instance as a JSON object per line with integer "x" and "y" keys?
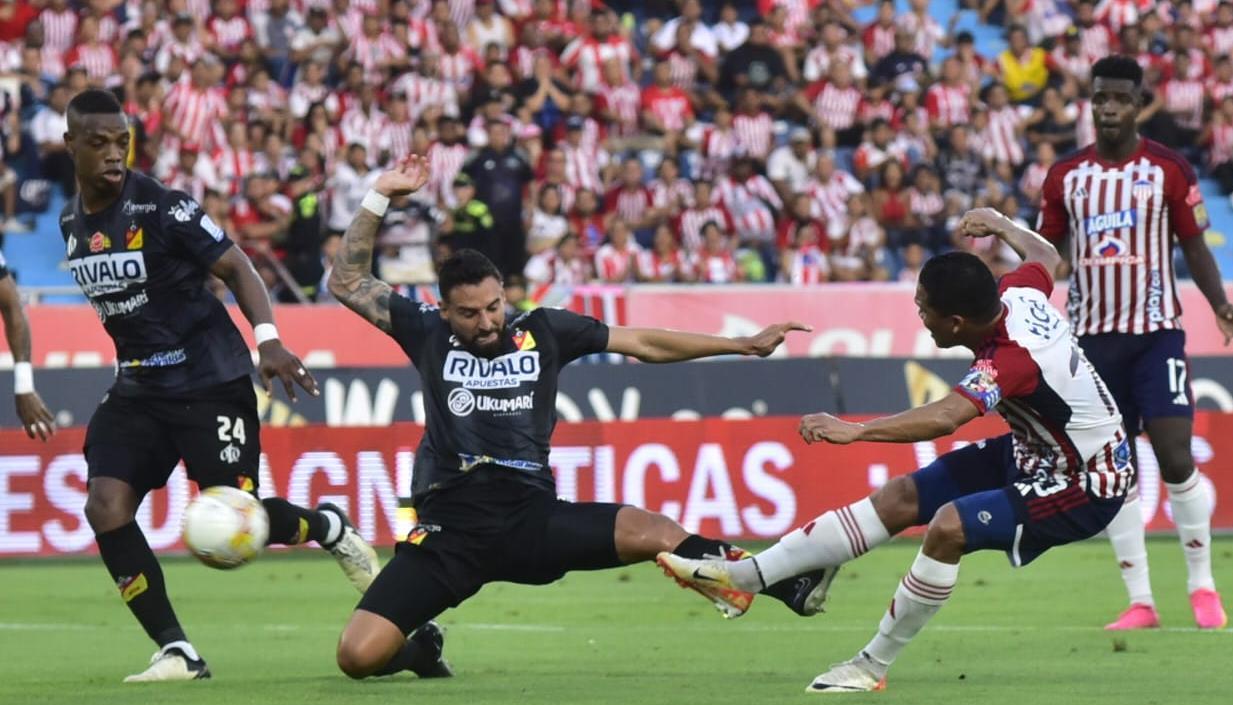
{"x": 764, "y": 140}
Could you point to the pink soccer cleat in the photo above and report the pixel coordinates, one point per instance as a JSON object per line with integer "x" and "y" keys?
{"x": 1208, "y": 612}
{"x": 1137, "y": 616}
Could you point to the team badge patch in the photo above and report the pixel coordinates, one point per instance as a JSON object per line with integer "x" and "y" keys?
{"x": 99, "y": 242}
{"x": 1142, "y": 190}
{"x": 981, "y": 383}
{"x": 417, "y": 535}
{"x": 134, "y": 239}
{"x": 523, "y": 340}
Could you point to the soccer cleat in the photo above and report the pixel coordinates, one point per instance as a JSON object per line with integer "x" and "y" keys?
{"x": 1208, "y": 612}
{"x": 1137, "y": 616}
{"x": 170, "y": 663}
{"x": 356, "y": 558}
{"x": 810, "y": 591}
{"x": 855, "y": 676}
{"x": 432, "y": 639}
{"x": 710, "y": 579}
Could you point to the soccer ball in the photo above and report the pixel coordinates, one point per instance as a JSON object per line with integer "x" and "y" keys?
{"x": 225, "y": 527}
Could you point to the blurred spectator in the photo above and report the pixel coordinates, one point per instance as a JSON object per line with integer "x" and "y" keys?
{"x": 546, "y": 223}
{"x": 47, "y": 129}
{"x": 860, "y": 249}
{"x": 730, "y": 32}
{"x": 665, "y": 262}
{"x": 1024, "y": 68}
{"x": 350, "y": 181}
{"x": 564, "y": 265}
{"x": 470, "y": 224}
{"x": 715, "y": 262}
{"x": 617, "y": 260}
{"x": 500, "y": 173}
{"x": 805, "y": 261}
{"x": 755, "y": 64}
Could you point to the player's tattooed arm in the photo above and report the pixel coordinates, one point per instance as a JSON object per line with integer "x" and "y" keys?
{"x": 351, "y": 279}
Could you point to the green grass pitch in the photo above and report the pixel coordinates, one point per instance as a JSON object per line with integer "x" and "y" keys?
{"x": 624, "y": 636}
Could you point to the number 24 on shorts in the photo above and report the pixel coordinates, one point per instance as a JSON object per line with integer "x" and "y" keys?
{"x": 232, "y": 429}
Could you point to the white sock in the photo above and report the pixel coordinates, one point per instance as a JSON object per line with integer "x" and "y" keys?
{"x": 334, "y": 527}
{"x": 184, "y": 646}
{"x": 1126, "y": 534}
{"x": 834, "y": 538}
{"x": 919, "y": 596}
{"x": 1192, "y": 513}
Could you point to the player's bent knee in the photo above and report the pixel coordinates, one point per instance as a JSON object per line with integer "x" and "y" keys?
{"x": 897, "y": 503}
{"x": 367, "y": 643}
{"x": 107, "y": 509}
{"x": 944, "y": 539}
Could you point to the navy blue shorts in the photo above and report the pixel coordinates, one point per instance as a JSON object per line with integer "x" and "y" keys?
{"x": 1004, "y": 509}
{"x": 1148, "y": 375}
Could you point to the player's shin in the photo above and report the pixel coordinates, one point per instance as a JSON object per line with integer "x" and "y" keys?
{"x": 290, "y": 524}
{"x": 920, "y": 594}
{"x": 1126, "y": 536}
{"x": 1192, "y": 509}
{"x": 832, "y": 539}
{"x": 139, "y": 578}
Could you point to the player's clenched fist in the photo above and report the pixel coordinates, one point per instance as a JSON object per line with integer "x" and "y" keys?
{"x": 408, "y": 177}
{"x": 816, "y": 428}
{"x": 984, "y": 222}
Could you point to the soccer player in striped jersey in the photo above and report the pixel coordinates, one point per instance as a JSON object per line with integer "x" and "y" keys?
{"x": 1059, "y": 476}
{"x": 1115, "y": 209}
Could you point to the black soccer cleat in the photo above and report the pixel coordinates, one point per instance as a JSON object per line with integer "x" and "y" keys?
{"x": 431, "y": 640}
{"x": 804, "y": 594}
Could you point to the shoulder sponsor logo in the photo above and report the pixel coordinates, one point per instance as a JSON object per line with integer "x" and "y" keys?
{"x": 165, "y": 358}
{"x": 108, "y": 273}
{"x": 505, "y": 371}
{"x": 1097, "y": 224}
{"x": 130, "y": 208}
{"x": 981, "y": 382}
{"x": 70, "y": 245}
{"x": 99, "y": 242}
{"x": 208, "y": 225}
{"x": 184, "y": 210}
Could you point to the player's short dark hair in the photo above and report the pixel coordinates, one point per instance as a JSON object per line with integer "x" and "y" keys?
{"x": 465, "y": 267}
{"x": 1119, "y": 66}
{"x": 95, "y": 102}
{"x": 959, "y": 284}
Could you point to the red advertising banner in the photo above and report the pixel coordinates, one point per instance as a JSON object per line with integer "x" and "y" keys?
{"x": 739, "y": 479}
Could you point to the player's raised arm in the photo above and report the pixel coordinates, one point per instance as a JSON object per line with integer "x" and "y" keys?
{"x": 987, "y": 222}
{"x": 924, "y": 423}
{"x": 351, "y": 280}
{"x": 659, "y": 345}
{"x": 35, "y": 418}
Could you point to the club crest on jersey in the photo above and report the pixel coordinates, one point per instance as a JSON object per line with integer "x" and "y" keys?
{"x": 1097, "y": 224}
{"x": 504, "y": 371}
{"x": 134, "y": 239}
{"x": 523, "y": 340}
{"x": 99, "y": 242}
{"x": 981, "y": 384}
{"x": 1142, "y": 190}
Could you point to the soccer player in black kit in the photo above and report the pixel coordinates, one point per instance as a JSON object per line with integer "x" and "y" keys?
{"x": 141, "y": 253}
{"x": 482, "y": 486}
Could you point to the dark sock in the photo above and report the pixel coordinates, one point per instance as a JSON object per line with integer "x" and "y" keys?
{"x": 701, "y": 547}
{"x": 408, "y": 658}
{"x": 140, "y": 580}
{"x": 292, "y": 525}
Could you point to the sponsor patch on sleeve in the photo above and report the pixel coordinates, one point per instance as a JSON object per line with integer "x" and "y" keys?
{"x": 1193, "y": 197}
{"x": 980, "y": 383}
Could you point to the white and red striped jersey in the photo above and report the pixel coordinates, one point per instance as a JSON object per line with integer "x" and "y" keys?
{"x": 1078, "y": 65}
{"x": 1219, "y": 40}
{"x": 568, "y": 193}
{"x": 459, "y": 69}
{"x": 1220, "y": 150}
{"x": 59, "y": 28}
{"x": 878, "y": 40}
{"x": 1184, "y": 100}
{"x": 755, "y": 134}
{"x": 949, "y": 105}
{"x": 716, "y": 267}
{"x": 1096, "y": 42}
{"x": 691, "y": 221}
{"x": 675, "y": 266}
{"x": 870, "y": 110}
{"x": 1002, "y": 138}
{"x": 395, "y": 138}
{"x": 668, "y": 105}
{"x": 1218, "y": 90}
{"x": 624, "y": 103}
{"x": 233, "y": 166}
{"x": 613, "y": 265}
{"x": 303, "y": 95}
{"x": 818, "y": 62}
{"x": 836, "y": 107}
{"x": 522, "y": 60}
{"x": 461, "y": 12}
{"x": 445, "y": 161}
{"x": 586, "y": 57}
{"x": 926, "y": 30}
{"x": 548, "y": 268}
{"x": 194, "y": 113}
{"x": 752, "y": 203}
{"x": 927, "y": 205}
{"x": 272, "y": 97}
{"x": 1199, "y": 69}
{"x": 99, "y": 59}
{"x": 108, "y": 29}
{"x": 1033, "y": 179}
{"x": 668, "y": 195}
{"x": 830, "y": 199}
{"x": 684, "y": 70}
{"x": 1122, "y": 220}
{"x": 423, "y": 92}
{"x": 229, "y": 34}
{"x": 364, "y": 128}
{"x": 860, "y": 236}
{"x": 188, "y": 52}
{"x": 717, "y": 147}
{"x": 796, "y": 12}
{"x": 374, "y": 53}
{"x": 349, "y": 23}
{"x": 200, "y": 9}
{"x": 422, "y": 36}
{"x": 807, "y": 266}
{"x": 1062, "y": 418}
{"x": 630, "y": 204}
{"x": 583, "y": 167}
{"x": 1119, "y": 13}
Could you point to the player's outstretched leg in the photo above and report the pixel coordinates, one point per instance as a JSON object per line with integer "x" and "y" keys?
{"x": 329, "y": 526}
{"x": 1126, "y": 536}
{"x": 111, "y": 506}
{"x": 921, "y": 593}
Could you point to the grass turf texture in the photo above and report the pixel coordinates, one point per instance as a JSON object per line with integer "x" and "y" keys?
{"x": 624, "y": 636}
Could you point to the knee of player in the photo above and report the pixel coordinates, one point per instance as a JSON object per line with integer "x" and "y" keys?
{"x": 106, "y": 511}
{"x": 353, "y": 659}
{"x": 945, "y": 533}
{"x": 896, "y": 502}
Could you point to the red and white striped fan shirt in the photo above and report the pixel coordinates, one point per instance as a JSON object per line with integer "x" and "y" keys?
{"x": 716, "y": 268}
{"x": 691, "y": 221}
{"x": 1033, "y": 179}
{"x": 808, "y": 265}
{"x": 303, "y": 95}
{"x": 445, "y": 161}
{"x": 1122, "y": 220}
{"x": 631, "y": 205}
{"x": 422, "y": 36}
{"x": 668, "y": 195}
{"x": 583, "y": 166}
{"x": 395, "y": 138}
{"x": 194, "y": 112}
{"x": 926, "y": 30}
{"x": 548, "y": 268}
{"x": 1221, "y": 150}
{"x": 668, "y": 105}
{"x": 949, "y": 105}
{"x": 624, "y": 102}
{"x": 1078, "y": 65}
{"x": 752, "y": 203}
{"x": 1219, "y": 91}
{"x": 836, "y": 107}
{"x": 1064, "y": 423}
{"x": 878, "y": 40}
{"x": 1119, "y": 13}
{"x": 233, "y": 166}
{"x": 568, "y": 193}
{"x": 830, "y": 199}
{"x": 362, "y": 127}
{"x": 1085, "y": 125}
{"x": 374, "y": 52}
{"x": 459, "y": 69}
{"x": 684, "y": 71}
{"x": 818, "y": 62}
{"x": 461, "y": 11}
{"x": 754, "y": 134}
{"x": 108, "y": 29}
{"x": 1096, "y": 42}
{"x": 99, "y": 60}
{"x": 586, "y": 57}
{"x": 926, "y": 204}
{"x": 613, "y": 265}
{"x": 229, "y": 34}
{"x": 1184, "y": 100}
{"x": 717, "y": 147}
{"x": 273, "y": 97}
{"x": 676, "y": 266}
{"x": 188, "y": 52}
{"x": 423, "y": 92}
{"x": 1219, "y": 40}
{"x": 1002, "y": 140}
{"x": 59, "y": 28}
{"x": 200, "y": 9}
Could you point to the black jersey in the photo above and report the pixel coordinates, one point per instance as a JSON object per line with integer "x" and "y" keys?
{"x": 494, "y": 412}
{"x": 142, "y": 262}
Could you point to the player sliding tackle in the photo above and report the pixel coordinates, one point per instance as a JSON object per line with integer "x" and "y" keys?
{"x": 1059, "y": 476}
{"x": 483, "y": 488}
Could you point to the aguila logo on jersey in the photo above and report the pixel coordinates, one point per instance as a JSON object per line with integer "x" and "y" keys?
{"x": 504, "y": 371}
{"x": 99, "y": 242}
{"x": 1097, "y": 224}
{"x": 108, "y": 273}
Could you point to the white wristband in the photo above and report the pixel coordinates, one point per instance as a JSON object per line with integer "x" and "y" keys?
{"x": 376, "y": 203}
{"x": 23, "y": 378}
{"x": 265, "y": 332}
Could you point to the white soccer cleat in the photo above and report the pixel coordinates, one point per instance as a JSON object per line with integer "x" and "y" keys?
{"x": 855, "y": 676}
{"x": 171, "y": 663}
{"x": 357, "y": 559}
{"x": 709, "y": 578}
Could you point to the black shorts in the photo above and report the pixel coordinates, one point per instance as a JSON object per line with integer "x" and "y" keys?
{"x": 442, "y": 563}
{"x": 141, "y": 439}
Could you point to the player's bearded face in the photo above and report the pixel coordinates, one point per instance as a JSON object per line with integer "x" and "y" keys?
{"x": 476, "y": 315}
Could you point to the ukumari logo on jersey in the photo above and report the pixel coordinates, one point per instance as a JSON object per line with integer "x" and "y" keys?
{"x": 108, "y": 273}
{"x": 509, "y": 370}
{"x": 1097, "y": 224}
